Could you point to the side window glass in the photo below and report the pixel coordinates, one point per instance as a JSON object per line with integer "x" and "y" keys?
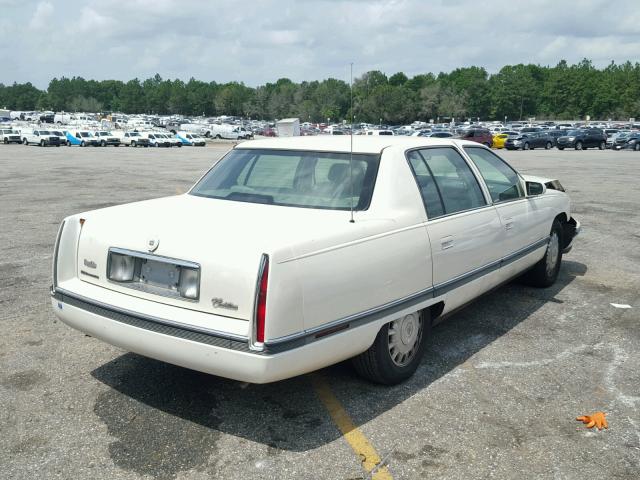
{"x": 426, "y": 185}
{"x": 442, "y": 174}
{"x": 502, "y": 181}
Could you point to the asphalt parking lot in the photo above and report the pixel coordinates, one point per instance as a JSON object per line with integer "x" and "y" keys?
{"x": 496, "y": 395}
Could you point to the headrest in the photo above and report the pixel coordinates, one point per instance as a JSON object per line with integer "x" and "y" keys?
{"x": 338, "y": 172}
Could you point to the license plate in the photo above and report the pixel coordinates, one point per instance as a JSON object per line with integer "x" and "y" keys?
{"x": 160, "y": 274}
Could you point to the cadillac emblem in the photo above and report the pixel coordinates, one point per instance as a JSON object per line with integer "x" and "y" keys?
{"x": 152, "y": 244}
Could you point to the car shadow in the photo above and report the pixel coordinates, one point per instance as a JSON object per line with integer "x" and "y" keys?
{"x": 153, "y": 406}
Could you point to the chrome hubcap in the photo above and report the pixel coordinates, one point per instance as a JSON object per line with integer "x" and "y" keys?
{"x": 552, "y": 253}
{"x": 404, "y": 338}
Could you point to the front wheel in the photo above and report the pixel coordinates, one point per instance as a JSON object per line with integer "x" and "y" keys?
{"x": 578, "y": 145}
{"x": 42, "y": 143}
{"x": 547, "y": 146}
{"x": 545, "y": 272}
{"x": 397, "y": 350}
{"x": 525, "y": 146}
{"x": 103, "y": 143}
{"x": 133, "y": 144}
{"x": 560, "y": 148}
{"x": 602, "y": 146}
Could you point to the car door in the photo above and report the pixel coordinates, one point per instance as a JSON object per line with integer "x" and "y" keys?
{"x": 463, "y": 227}
{"x": 524, "y": 219}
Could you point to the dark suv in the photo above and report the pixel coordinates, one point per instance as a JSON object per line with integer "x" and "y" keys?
{"x": 582, "y": 139}
{"x": 529, "y": 141}
{"x": 480, "y": 135}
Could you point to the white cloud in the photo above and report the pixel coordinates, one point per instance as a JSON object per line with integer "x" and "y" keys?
{"x": 264, "y": 40}
{"x": 42, "y": 16}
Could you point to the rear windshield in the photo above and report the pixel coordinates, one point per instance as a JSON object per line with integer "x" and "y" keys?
{"x": 306, "y": 179}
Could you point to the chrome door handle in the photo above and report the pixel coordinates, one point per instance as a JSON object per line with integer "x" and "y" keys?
{"x": 508, "y": 223}
{"x": 446, "y": 242}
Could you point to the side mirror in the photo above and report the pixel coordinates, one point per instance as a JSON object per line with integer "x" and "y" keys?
{"x": 535, "y": 188}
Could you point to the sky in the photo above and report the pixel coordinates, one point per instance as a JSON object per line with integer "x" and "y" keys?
{"x": 259, "y": 41}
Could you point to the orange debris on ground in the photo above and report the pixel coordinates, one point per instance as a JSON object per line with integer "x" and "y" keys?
{"x": 597, "y": 420}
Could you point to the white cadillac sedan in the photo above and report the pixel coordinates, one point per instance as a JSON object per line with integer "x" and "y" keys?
{"x": 296, "y": 253}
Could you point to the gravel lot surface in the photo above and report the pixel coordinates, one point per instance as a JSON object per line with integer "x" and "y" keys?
{"x": 496, "y": 395}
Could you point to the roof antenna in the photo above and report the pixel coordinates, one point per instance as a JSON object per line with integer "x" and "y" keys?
{"x": 351, "y": 146}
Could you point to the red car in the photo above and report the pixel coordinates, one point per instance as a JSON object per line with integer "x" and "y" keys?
{"x": 480, "y": 135}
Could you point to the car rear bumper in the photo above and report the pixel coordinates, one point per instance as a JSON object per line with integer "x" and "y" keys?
{"x": 218, "y": 355}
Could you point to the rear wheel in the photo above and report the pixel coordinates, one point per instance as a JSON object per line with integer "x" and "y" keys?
{"x": 636, "y": 147}
{"x": 578, "y": 145}
{"x": 133, "y": 144}
{"x": 602, "y": 146}
{"x": 525, "y": 146}
{"x": 42, "y": 143}
{"x": 218, "y": 137}
{"x": 25, "y": 142}
{"x": 397, "y": 350}
{"x": 548, "y": 145}
{"x": 545, "y": 272}
{"x": 83, "y": 144}
{"x": 5, "y": 141}
{"x": 103, "y": 143}
{"x": 560, "y": 148}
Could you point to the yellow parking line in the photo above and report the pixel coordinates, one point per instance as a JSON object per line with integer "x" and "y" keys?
{"x": 354, "y": 437}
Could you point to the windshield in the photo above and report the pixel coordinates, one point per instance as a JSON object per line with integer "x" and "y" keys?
{"x": 292, "y": 178}
{"x": 573, "y": 133}
{"x": 85, "y": 134}
{"x": 59, "y": 134}
{"x": 134, "y": 134}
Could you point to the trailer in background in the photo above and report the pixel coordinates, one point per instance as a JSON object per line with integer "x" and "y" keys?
{"x": 288, "y": 127}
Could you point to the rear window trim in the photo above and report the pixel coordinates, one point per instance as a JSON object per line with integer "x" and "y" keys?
{"x": 374, "y": 180}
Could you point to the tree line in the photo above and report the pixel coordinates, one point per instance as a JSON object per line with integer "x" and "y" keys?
{"x": 516, "y": 92}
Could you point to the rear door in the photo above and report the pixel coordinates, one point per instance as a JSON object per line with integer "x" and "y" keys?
{"x": 463, "y": 228}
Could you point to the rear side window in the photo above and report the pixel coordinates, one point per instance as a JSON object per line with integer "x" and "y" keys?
{"x": 502, "y": 181}
{"x": 446, "y": 182}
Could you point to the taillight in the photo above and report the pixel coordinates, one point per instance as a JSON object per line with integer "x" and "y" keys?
{"x": 261, "y": 303}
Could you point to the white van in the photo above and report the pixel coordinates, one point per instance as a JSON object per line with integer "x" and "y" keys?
{"x": 44, "y": 138}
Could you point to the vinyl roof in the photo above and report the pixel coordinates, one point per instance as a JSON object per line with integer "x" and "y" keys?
{"x": 342, "y": 143}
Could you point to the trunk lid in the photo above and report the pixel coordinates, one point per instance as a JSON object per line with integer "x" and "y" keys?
{"x": 226, "y": 238}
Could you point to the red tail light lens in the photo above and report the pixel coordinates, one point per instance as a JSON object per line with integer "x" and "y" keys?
{"x": 261, "y": 310}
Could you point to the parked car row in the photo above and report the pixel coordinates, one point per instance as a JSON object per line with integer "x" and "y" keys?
{"x": 99, "y": 138}
{"x": 577, "y": 139}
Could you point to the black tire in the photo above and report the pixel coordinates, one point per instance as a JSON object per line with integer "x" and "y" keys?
{"x": 560, "y": 148}
{"x": 43, "y": 143}
{"x": 179, "y": 145}
{"x": 547, "y": 145}
{"x": 602, "y": 146}
{"x": 525, "y": 146}
{"x": 578, "y": 145}
{"x": 25, "y": 142}
{"x": 103, "y": 143}
{"x": 545, "y": 272}
{"x": 636, "y": 147}
{"x": 133, "y": 143}
{"x": 377, "y": 364}
{"x": 5, "y": 141}
{"x": 218, "y": 137}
